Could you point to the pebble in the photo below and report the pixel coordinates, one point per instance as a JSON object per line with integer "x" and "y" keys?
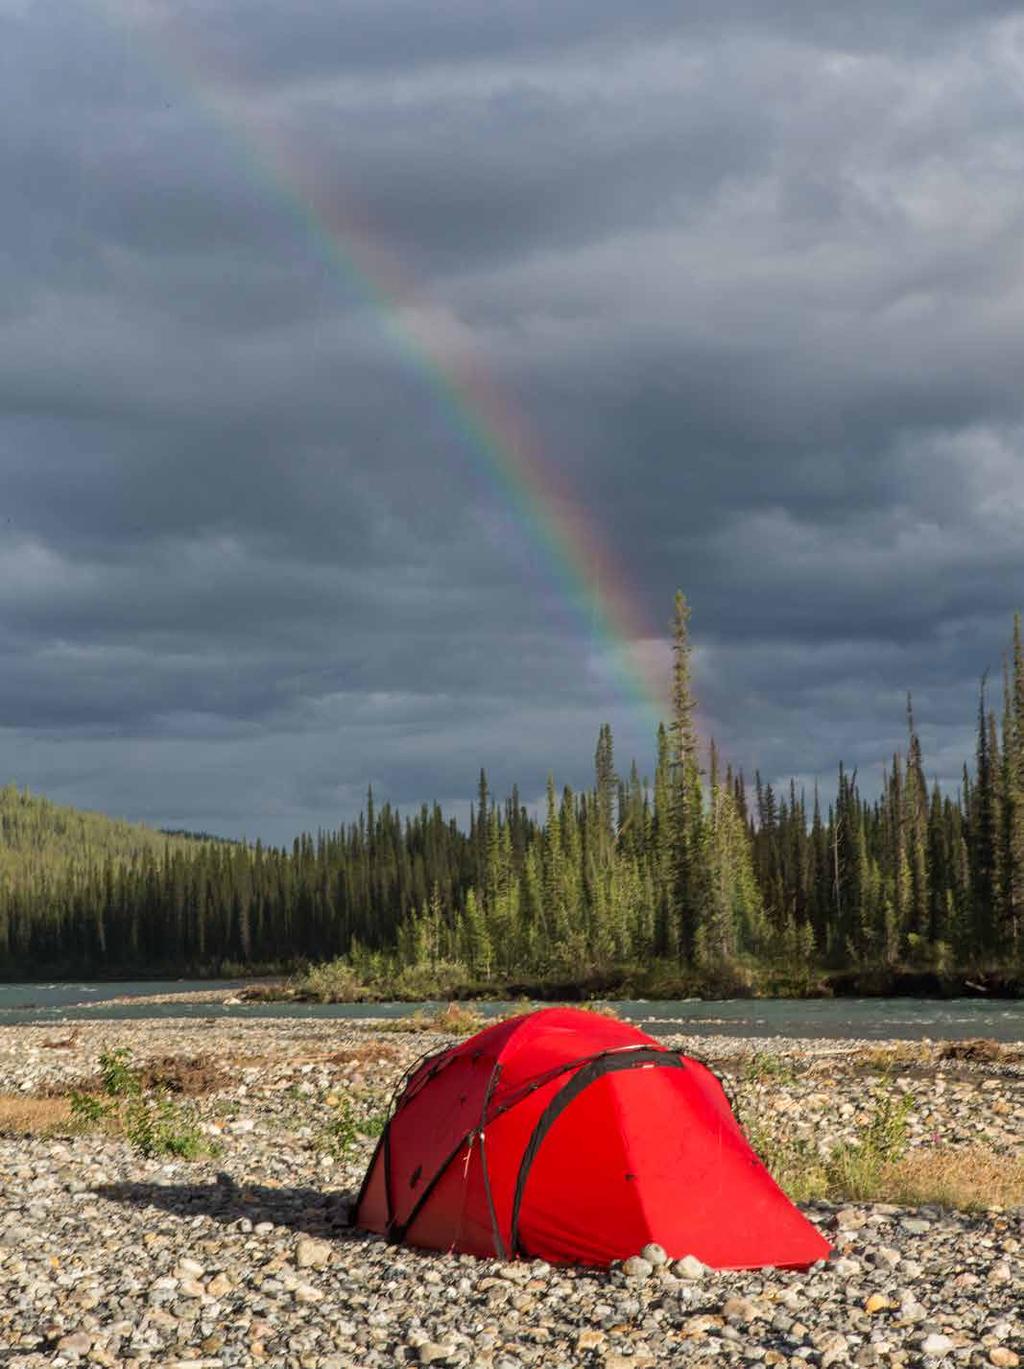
{"x": 937, "y": 1344}
{"x": 636, "y": 1267}
{"x": 248, "y": 1260}
{"x": 689, "y": 1267}
{"x": 310, "y": 1254}
{"x": 431, "y": 1353}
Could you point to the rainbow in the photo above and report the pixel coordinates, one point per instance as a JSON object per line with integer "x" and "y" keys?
{"x": 494, "y": 431}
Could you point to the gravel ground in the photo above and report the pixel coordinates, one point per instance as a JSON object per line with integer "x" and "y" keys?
{"x": 109, "y": 1259}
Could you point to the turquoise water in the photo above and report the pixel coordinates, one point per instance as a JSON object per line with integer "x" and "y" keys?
{"x": 869, "y": 1018}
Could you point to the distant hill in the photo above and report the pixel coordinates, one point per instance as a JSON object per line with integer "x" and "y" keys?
{"x": 40, "y": 840}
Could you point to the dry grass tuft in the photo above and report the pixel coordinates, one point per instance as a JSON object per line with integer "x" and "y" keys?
{"x": 454, "y": 1020}
{"x": 965, "y": 1180}
{"x": 980, "y": 1050}
{"x": 190, "y": 1076}
{"x": 895, "y": 1055}
{"x": 24, "y": 1116}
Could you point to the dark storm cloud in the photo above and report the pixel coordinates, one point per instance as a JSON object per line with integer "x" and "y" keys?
{"x": 752, "y": 270}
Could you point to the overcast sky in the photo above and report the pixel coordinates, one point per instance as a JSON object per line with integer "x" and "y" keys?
{"x": 753, "y": 272}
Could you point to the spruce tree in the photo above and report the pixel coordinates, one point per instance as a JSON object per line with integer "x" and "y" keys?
{"x": 689, "y": 870}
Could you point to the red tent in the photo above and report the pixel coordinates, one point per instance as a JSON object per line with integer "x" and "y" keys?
{"x": 571, "y": 1137}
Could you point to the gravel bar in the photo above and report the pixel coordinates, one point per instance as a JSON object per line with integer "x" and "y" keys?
{"x": 247, "y": 1259}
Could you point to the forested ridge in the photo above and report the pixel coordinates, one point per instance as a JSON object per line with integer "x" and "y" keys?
{"x": 699, "y": 872}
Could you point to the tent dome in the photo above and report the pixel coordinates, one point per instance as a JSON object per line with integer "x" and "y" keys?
{"x": 570, "y": 1137}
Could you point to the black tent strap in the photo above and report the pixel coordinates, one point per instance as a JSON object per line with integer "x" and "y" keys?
{"x": 499, "y": 1244}
{"x": 609, "y": 1063}
{"x": 396, "y": 1230}
{"x": 539, "y": 1080}
{"x": 528, "y": 1086}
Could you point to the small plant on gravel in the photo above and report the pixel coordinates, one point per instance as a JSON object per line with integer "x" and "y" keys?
{"x": 151, "y": 1121}
{"x": 374, "y": 1124}
{"x": 340, "y": 1133}
{"x": 159, "y": 1126}
{"x": 858, "y": 1171}
{"x": 793, "y": 1161}
{"x": 87, "y": 1110}
{"x": 117, "y": 1076}
{"x": 762, "y": 1067}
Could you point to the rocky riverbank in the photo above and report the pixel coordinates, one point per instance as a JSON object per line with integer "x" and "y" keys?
{"x": 246, "y": 1258}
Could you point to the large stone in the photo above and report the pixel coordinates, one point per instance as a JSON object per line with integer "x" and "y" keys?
{"x": 1003, "y": 1357}
{"x": 849, "y": 1219}
{"x": 636, "y": 1267}
{"x": 590, "y": 1339}
{"x": 689, "y": 1267}
{"x": 936, "y": 1344}
{"x": 739, "y": 1309}
{"x": 833, "y": 1347}
{"x": 77, "y": 1343}
{"x": 311, "y": 1254}
{"x": 430, "y": 1352}
{"x": 654, "y": 1254}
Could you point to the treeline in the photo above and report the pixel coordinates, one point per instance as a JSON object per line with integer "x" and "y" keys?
{"x": 697, "y": 868}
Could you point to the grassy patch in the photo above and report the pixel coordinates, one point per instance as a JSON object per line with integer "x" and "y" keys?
{"x": 876, "y": 1165}
{"x": 763, "y": 1067}
{"x": 334, "y": 981}
{"x": 454, "y": 1020}
{"x": 854, "y": 1170}
{"x": 24, "y": 1116}
{"x": 968, "y": 1180}
{"x": 980, "y": 1051}
{"x": 895, "y": 1055}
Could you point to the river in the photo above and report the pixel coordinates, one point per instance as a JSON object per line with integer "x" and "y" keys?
{"x": 863, "y": 1018}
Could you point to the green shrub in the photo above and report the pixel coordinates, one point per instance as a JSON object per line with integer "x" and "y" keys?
{"x": 87, "y": 1110}
{"x": 340, "y": 1133}
{"x": 151, "y": 1121}
{"x": 117, "y": 1076}
{"x": 159, "y": 1126}
{"x": 334, "y": 981}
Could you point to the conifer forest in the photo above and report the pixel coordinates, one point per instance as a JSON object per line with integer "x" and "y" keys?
{"x": 701, "y": 875}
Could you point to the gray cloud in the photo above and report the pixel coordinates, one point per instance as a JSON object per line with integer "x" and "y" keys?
{"x": 751, "y": 271}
